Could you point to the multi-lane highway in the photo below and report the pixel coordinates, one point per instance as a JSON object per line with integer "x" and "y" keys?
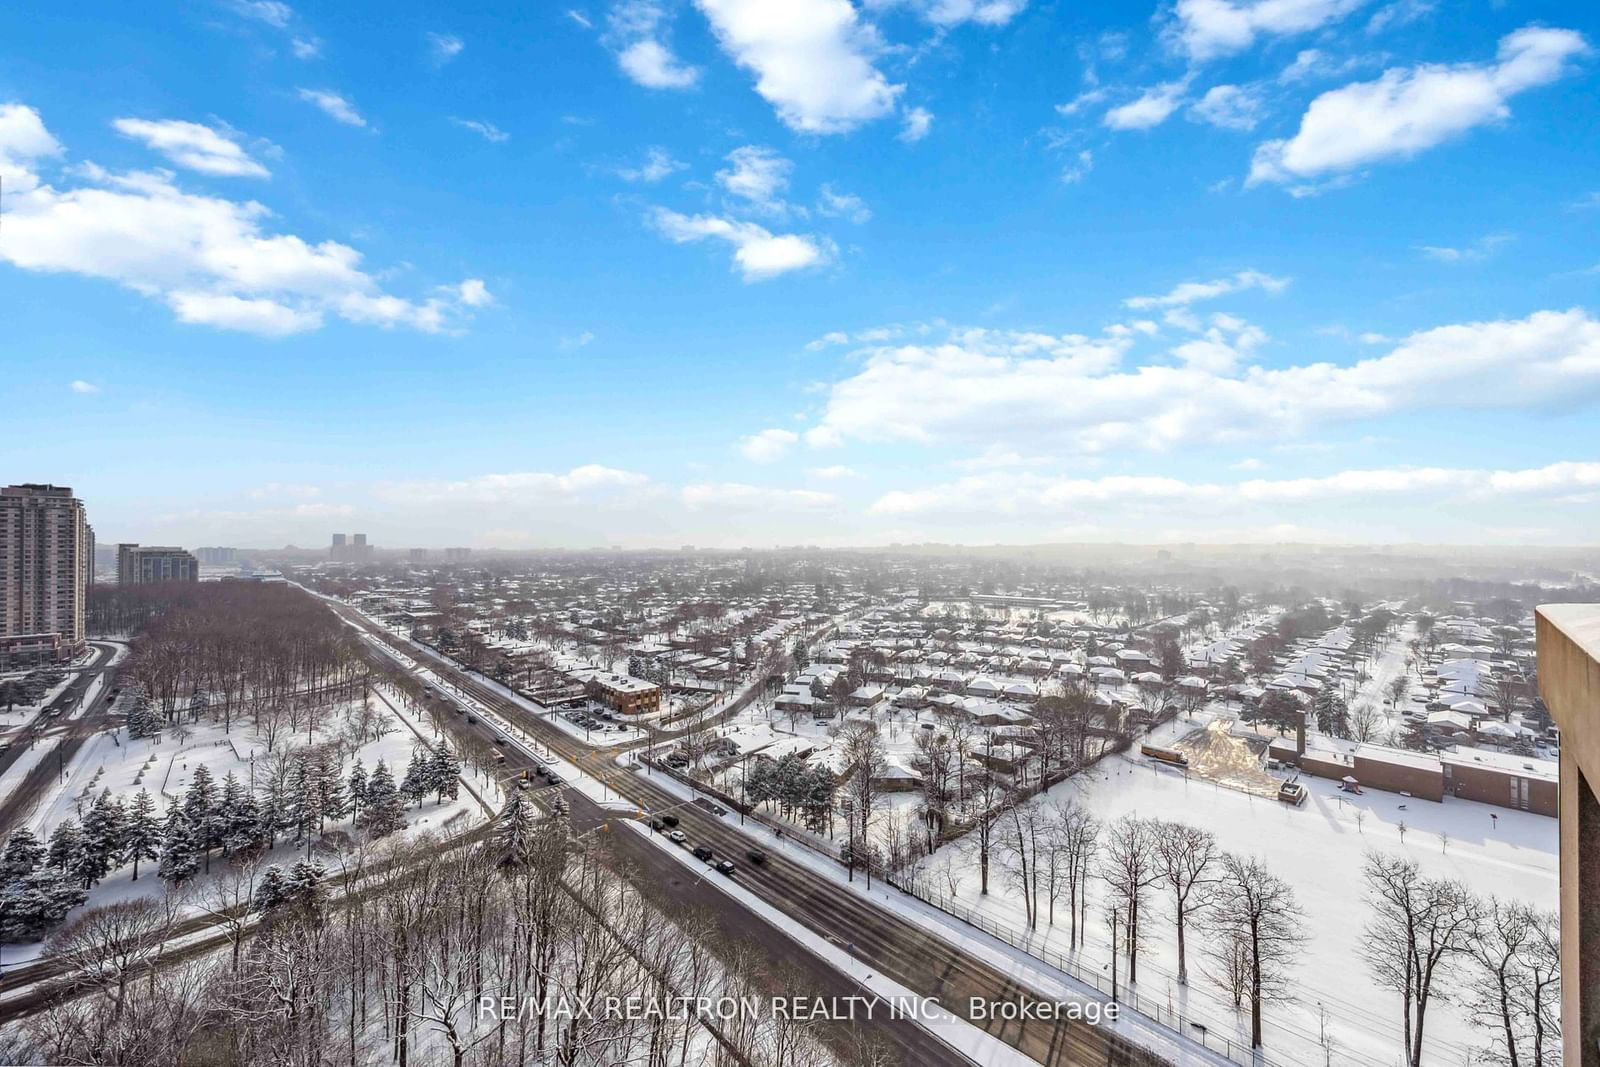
{"x": 893, "y": 946}
{"x": 56, "y": 726}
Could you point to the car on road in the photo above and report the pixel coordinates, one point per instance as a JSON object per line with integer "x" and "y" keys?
{"x": 702, "y": 853}
{"x": 499, "y": 740}
{"x": 756, "y": 856}
{"x": 678, "y": 837}
{"x": 655, "y": 824}
{"x": 726, "y": 867}
{"x": 555, "y": 779}
{"x": 472, "y": 720}
{"x": 669, "y": 820}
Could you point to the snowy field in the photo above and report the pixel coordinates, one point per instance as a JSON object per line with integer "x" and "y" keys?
{"x": 1318, "y": 849}
{"x": 165, "y": 764}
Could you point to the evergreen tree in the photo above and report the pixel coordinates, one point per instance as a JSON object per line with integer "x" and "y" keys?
{"x": 142, "y": 721}
{"x": 416, "y": 783}
{"x": 36, "y": 901}
{"x": 180, "y": 851}
{"x": 384, "y": 812}
{"x": 243, "y": 831}
{"x": 66, "y": 847}
{"x": 356, "y": 790}
{"x": 270, "y": 890}
{"x": 200, "y": 805}
{"x": 304, "y": 885}
{"x": 103, "y": 839}
{"x": 516, "y": 832}
{"x": 298, "y": 813}
{"x": 331, "y": 801}
{"x": 22, "y": 855}
{"x": 141, "y": 833}
{"x": 227, "y": 805}
{"x": 446, "y": 772}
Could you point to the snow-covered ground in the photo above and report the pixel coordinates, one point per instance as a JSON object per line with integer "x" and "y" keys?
{"x": 1016, "y": 964}
{"x": 166, "y": 763}
{"x": 1318, "y": 849}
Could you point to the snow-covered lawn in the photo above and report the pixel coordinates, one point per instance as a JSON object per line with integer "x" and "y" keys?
{"x": 1318, "y": 849}
{"x": 165, "y": 764}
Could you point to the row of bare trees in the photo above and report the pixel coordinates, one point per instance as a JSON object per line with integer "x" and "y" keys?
{"x": 394, "y": 959}
{"x": 1434, "y": 940}
{"x": 222, "y": 651}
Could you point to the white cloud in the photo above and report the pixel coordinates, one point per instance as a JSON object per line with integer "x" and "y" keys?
{"x": 579, "y": 17}
{"x": 653, "y": 66}
{"x": 768, "y": 446}
{"x": 759, "y": 253}
{"x": 1193, "y": 292}
{"x": 518, "y": 488}
{"x": 306, "y": 47}
{"x": 579, "y": 340}
{"x": 1152, "y": 108}
{"x": 658, "y": 164}
{"x": 1408, "y": 110}
{"x": 759, "y": 176}
{"x": 474, "y": 294}
{"x": 443, "y": 47}
{"x": 1400, "y": 13}
{"x": 737, "y": 497}
{"x": 915, "y": 124}
{"x": 487, "y": 130}
{"x": 946, "y": 13}
{"x": 82, "y": 387}
{"x": 209, "y": 259}
{"x": 987, "y": 388}
{"x": 1230, "y": 107}
{"x": 334, "y": 106}
{"x": 1079, "y": 168}
{"x": 637, "y": 30}
{"x": 23, "y": 142}
{"x": 812, "y": 60}
{"x": 847, "y": 206}
{"x": 834, "y": 473}
{"x": 1084, "y": 100}
{"x": 1207, "y": 29}
{"x": 271, "y": 12}
{"x": 1476, "y": 252}
{"x": 191, "y": 145}
{"x": 1014, "y": 493}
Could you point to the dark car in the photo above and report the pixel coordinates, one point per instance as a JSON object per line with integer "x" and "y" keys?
{"x": 471, "y": 720}
{"x": 669, "y": 820}
{"x": 756, "y": 856}
{"x": 655, "y": 825}
{"x": 702, "y": 853}
{"x": 726, "y": 867}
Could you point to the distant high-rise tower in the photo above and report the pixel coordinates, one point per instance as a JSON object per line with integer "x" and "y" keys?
{"x": 46, "y": 562}
{"x": 155, "y": 563}
{"x": 338, "y": 540}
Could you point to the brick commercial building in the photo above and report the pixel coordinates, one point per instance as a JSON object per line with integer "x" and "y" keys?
{"x": 624, "y": 694}
{"x": 46, "y": 566}
{"x": 1569, "y": 681}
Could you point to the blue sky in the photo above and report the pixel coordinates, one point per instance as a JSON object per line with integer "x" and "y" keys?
{"x": 736, "y": 272}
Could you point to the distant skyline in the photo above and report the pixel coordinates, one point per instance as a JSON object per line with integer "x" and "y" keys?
{"x": 656, "y": 272}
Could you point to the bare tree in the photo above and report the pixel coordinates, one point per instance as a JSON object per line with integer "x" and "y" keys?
{"x": 1188, "y": 860}
{"x": 865, "y": 755}
{"x": 1256, "y": 923}
{"x": 1515, "y": 989}
{"x": 1420, "y": 929}
{"x": 1129, "y": 867}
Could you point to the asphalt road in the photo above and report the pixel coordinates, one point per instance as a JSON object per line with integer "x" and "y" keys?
{"x": 66, "y": 735}
{"x": 925, "y": 964}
